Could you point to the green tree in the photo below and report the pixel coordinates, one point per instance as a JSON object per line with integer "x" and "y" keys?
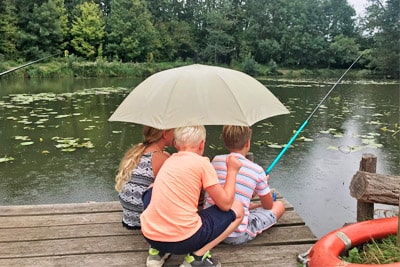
{"x": 344, "y": 51}
{"x": 8, "y": 29}
{"x": 339, "y": 19}
{"x": 219, "y": 40}
{"x": 88, "y": 30}
{"x": 177, "y": 40}
{"x": 131, "y": 35}
{"x": 383, "y": 27}
{"x": 42, "y": 28}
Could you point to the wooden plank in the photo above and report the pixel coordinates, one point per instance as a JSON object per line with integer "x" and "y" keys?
{"x": 63, "y": 232}
{"x": 132, "y": 259}
{"x": 234, "y": 256}
{"x": 130, "y": 242}
{"x": 284, "y": 236}
{"x": 239, "y": 256}
{"x": 75, "y": 208}
{"x": 89, "y": 207}
{"x": 64, "y": 219}
{"x": 84, "y": 245}
{"x": 103, "y": 228}
{"x": 289, "y": 217}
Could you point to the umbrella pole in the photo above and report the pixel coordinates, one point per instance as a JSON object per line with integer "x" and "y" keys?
{"x": 269, "y": 169}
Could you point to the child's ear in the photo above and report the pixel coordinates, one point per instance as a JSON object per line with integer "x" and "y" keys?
{"x": 202, "y": 144}
{"x": 248, "y": 143}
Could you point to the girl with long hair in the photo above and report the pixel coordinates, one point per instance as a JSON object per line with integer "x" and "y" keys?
{"x": 138, "y": 169}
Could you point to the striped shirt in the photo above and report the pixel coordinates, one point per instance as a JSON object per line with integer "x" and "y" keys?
{"x": 251, "y": 178}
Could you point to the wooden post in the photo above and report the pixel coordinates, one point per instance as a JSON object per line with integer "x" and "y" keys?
{"x": 365, "y": 210}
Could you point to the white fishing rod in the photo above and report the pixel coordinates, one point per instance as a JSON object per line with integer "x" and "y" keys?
{"x": 25, "y": 65}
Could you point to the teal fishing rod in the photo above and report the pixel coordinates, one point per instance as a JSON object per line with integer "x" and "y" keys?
{"x": 286, "y": 147}
{"x": 25, "y": 65}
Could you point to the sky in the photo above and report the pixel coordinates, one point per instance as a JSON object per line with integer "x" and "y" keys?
{"x": 358, "y": 5}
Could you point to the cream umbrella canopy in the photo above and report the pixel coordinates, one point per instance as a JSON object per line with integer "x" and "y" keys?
{"x": 198, "y": 95}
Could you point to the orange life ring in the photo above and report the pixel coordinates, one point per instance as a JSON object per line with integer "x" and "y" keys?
{"x": 326, "y": 251}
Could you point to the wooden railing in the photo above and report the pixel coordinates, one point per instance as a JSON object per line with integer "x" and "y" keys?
{"x": 368, "y": 188}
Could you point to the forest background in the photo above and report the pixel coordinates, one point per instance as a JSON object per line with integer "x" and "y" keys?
{"x": 139, "y": 37}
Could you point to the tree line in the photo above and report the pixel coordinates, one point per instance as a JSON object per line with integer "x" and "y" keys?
{"x": 286, "y": 33}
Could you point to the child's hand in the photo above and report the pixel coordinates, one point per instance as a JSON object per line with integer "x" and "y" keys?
{"x": 233, "y": 163}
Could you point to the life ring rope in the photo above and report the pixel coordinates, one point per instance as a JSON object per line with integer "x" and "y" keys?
{"x": 345, "y": 239}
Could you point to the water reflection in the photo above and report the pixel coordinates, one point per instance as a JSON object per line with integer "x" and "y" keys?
{"x": 314, "y": 174}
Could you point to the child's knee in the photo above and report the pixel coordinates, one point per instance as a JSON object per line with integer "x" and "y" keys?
{"x": 279, "y": 208}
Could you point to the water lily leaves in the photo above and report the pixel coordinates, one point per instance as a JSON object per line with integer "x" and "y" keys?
{"x": 27, "y": 143}
{"x": 70, "y": 144}
{"x": 275, "y": 146}
{"x": 62, "y": 116}
{"x": 20, "y": 137}
{"x": 40, "y": 116}
{"x": 304, "y": 139}
{"x": 6, "y": 159}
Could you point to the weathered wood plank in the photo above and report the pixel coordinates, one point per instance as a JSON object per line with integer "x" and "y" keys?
{"x": 64, "y": 219}
{"x": 128, "y": 242}
{"x": 239, "y": 256}
{"x": 235, "y": 256}
{"x": 72, "y": 246}
{"x": 30, "y": 220}
{"x": 63, "y": 232}
{"x": 49, "y": 209}
{"x": 56, "y": 228}
{"x": 74, "y": 208}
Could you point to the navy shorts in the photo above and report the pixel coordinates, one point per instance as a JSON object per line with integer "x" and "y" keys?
{"x": 214, "y": 223}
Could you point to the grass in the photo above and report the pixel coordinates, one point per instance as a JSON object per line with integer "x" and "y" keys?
{"x": 378, "y": 252}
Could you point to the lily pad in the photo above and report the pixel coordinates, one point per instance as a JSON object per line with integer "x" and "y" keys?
{"x": 275, "y": 146}
{"x": 27, "y": 143}
{"x": 5, "y": 159}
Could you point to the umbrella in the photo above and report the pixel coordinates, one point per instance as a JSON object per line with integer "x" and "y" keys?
{"x": 198, "y": 95}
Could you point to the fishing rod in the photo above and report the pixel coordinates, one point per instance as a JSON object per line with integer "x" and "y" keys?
{"x": 25, "y": 65}
{"x": 286, "y": 147}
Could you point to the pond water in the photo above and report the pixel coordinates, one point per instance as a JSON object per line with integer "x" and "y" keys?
{"x": 57, "y": 146}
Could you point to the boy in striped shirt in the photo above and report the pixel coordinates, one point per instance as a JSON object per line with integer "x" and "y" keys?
{"x": 251, "y": 180}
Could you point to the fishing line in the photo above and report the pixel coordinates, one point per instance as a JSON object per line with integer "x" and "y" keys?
{"x": 308, "y": 119}
{"x": 25, "y": 65}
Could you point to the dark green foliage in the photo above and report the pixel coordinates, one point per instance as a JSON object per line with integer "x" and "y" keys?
{"x": 377, "y": 252}
{"x": 289, "y": 33}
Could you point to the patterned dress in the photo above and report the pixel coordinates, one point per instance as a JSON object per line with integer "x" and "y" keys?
{"x": 131, "y": 195}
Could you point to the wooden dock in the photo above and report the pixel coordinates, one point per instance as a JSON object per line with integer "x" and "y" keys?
{"x": 91, "y": 234}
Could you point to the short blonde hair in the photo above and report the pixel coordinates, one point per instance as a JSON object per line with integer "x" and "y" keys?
{"x": 190, "y": 135}
{"x": 235, "y": 137}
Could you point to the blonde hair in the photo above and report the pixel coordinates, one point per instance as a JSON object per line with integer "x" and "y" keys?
{"x": 132, "y": 156}
{"x": 190, "y": 135}
{"x": 235, "y": 137}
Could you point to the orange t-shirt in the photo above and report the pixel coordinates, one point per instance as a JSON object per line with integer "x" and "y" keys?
{"x": 172, "y": 213}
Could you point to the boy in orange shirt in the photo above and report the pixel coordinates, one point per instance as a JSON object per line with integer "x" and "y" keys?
{"x": 171, "y": 222}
